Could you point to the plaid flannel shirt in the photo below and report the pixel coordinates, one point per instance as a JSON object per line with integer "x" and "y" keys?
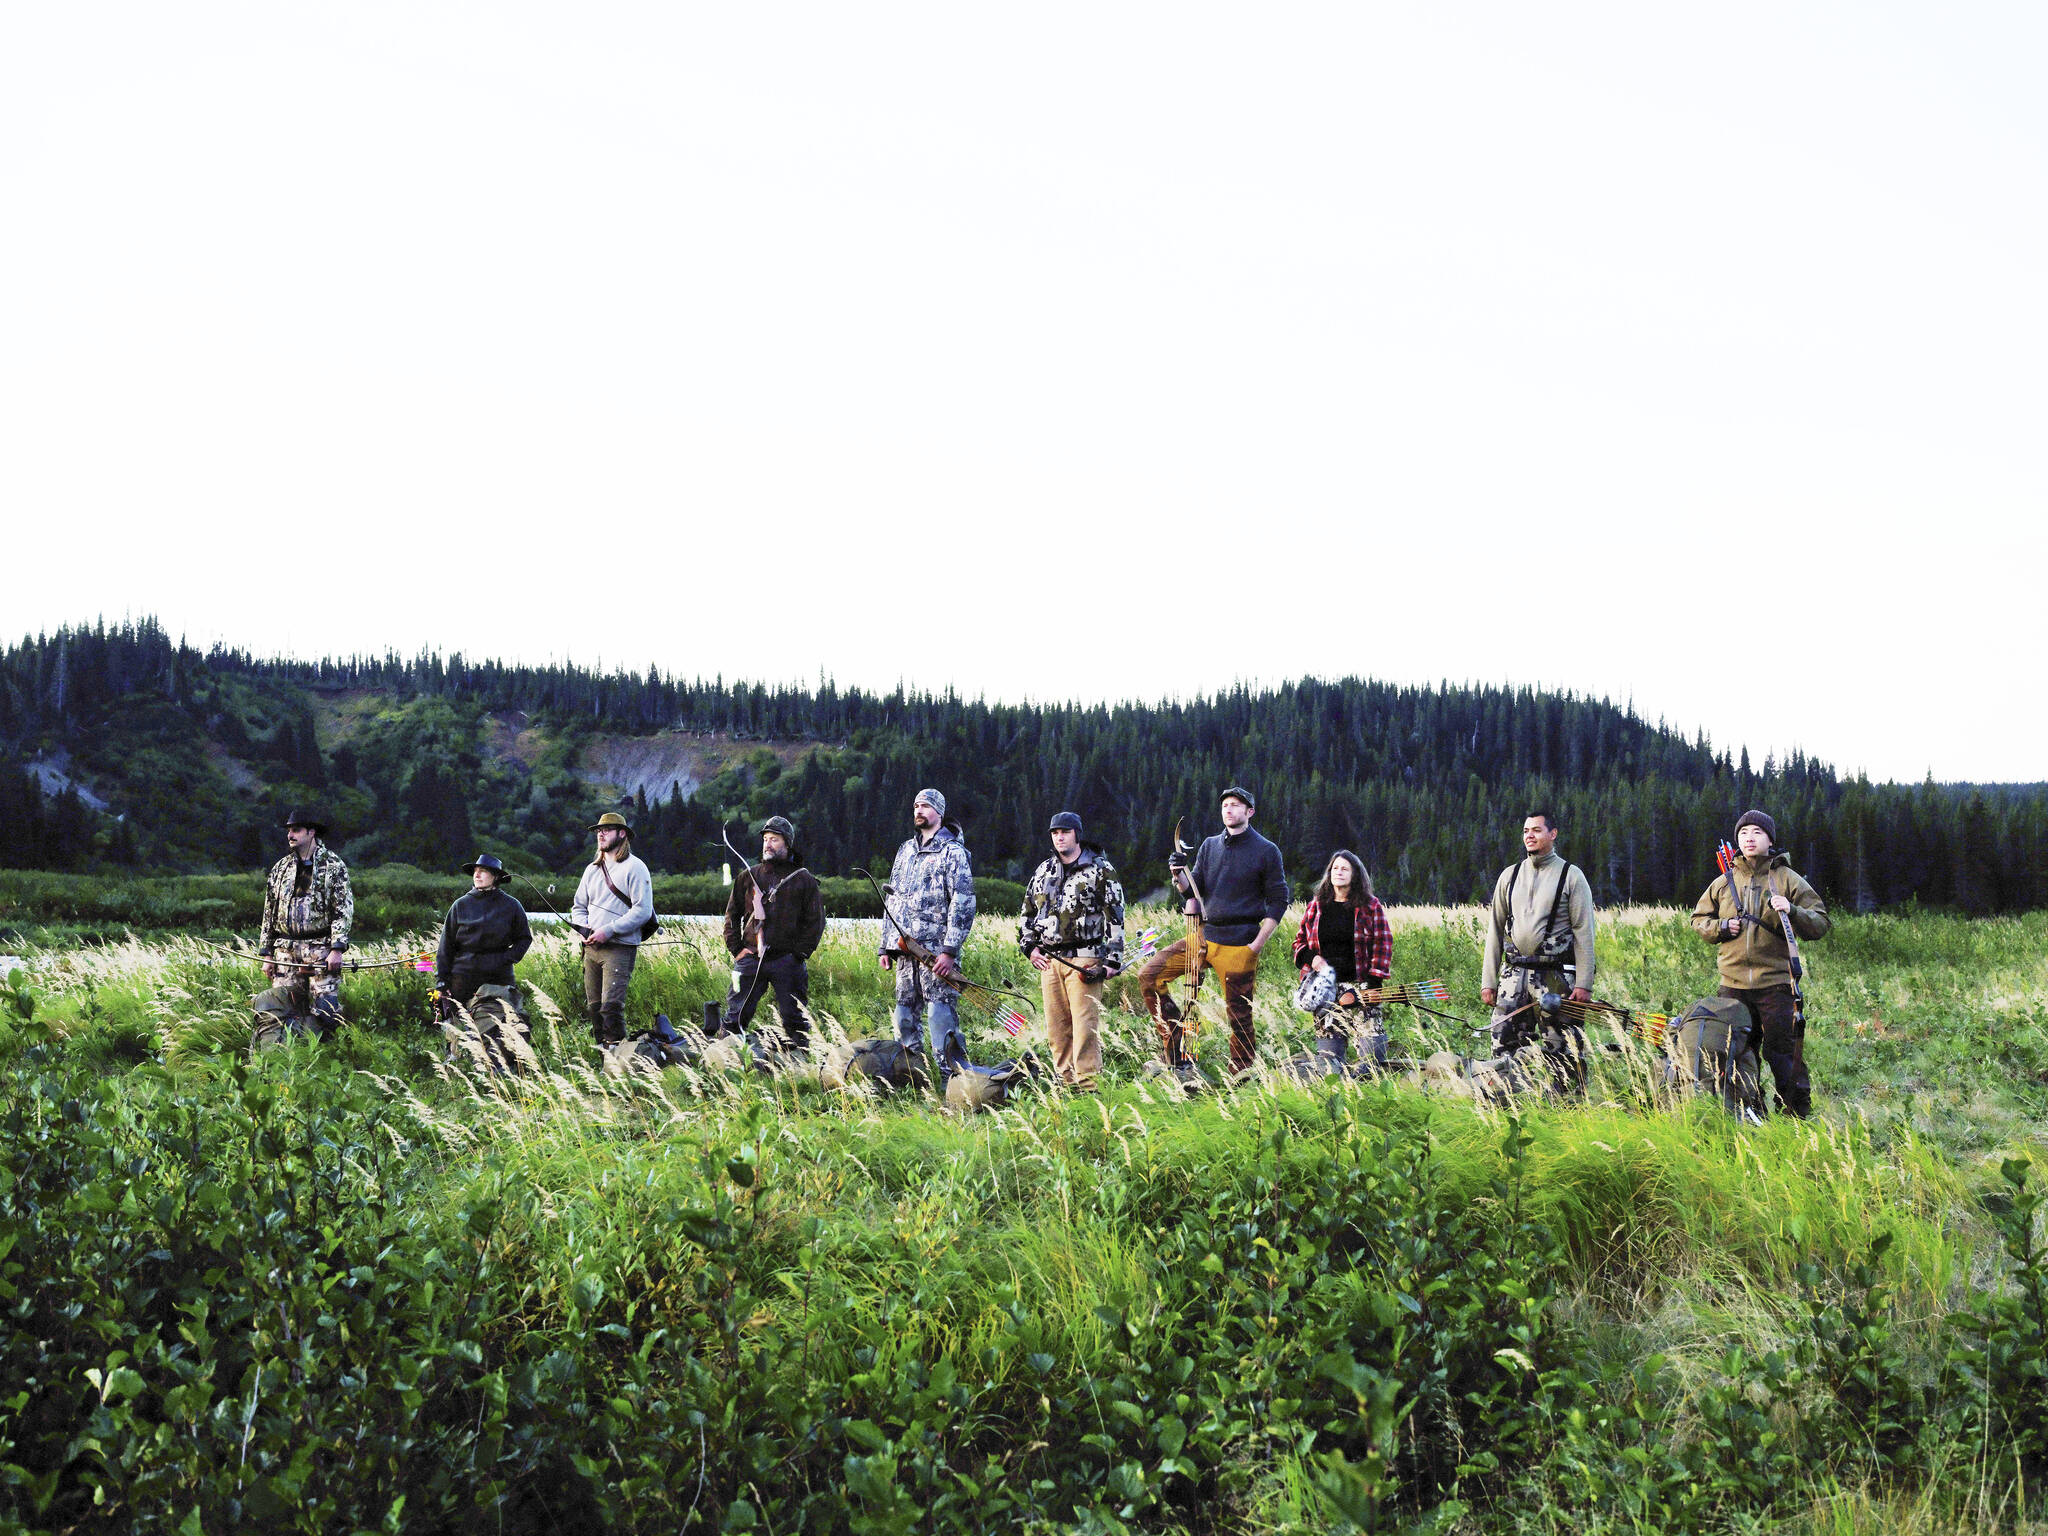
{"x": 1372, "y": 941}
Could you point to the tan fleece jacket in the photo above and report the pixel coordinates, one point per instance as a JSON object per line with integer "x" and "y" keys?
{"x": 1535, "y": 899}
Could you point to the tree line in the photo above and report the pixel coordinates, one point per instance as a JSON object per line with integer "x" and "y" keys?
{"x": 1426, "y": 784}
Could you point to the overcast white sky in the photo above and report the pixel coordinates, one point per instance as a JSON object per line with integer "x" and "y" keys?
{"x": 1693, "y": 356}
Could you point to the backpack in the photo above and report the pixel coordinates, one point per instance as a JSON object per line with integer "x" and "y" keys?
{"x": 1712, "y": 1049}
{"x": 869, "y": 1064}
{"x": 973, "y": 1088}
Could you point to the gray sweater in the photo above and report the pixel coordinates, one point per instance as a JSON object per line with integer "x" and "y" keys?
{"x": 596, "y": 907}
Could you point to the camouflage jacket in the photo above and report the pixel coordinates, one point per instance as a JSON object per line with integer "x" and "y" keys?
{"x": 1075, "y": 907}
{"x": 326, "y": 910}
{"x": 1757, "y": 956}
{"x": 931, "y": 888}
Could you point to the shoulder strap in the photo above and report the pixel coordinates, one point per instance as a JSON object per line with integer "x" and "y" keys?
{"x": 1562, "y": 876}
{"x": 606, "y": 876}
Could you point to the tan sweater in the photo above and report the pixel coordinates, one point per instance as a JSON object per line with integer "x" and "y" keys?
{"x": 1535, "y": 881}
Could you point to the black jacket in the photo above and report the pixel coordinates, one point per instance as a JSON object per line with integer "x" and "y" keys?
{"x": 485, "y": 935}
{"x": 794, "y": 908}
{"x": 1242, "y": 884}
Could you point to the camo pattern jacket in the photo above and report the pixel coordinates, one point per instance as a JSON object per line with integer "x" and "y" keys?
{"x": 1075, "y": 907}
{"x": 931, "y": 889}
{"x": 326, "y": 911}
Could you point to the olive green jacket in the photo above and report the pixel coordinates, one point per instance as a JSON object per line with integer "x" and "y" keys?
{"x": 1757, "y": 956}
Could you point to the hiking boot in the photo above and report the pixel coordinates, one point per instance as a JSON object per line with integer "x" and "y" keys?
{"x": 1190, "y": 1078}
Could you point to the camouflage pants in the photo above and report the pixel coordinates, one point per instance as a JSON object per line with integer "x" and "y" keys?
{"x": 1338, "y": 1028}
{"x": 485, "y": 1023}
{"x": 314, "y": 990}
{"x": 1529, "y": 1046}
{"x": 919, "y": 989}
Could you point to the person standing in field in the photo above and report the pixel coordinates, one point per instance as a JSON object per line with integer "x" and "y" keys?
{"x": 614, "y": 904}
{"x": 1238, "y": 887}
{"x": 774, "y": 919}
{"x": 1345, "y": 932}
{"x": 308, "y": 909}
{"x": 925, "y": 923}
{"x": 1072, "y": 932}
{"x": 1744, "y": 912}
{"x": 484, "y": 935}
{"x": 1539, "y": 945}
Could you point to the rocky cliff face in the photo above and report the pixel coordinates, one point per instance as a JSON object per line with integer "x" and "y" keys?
{"x": 669, "y": 763}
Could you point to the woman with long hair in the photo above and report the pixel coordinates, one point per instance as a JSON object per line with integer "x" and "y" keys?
{"x": 1345, "y": 932}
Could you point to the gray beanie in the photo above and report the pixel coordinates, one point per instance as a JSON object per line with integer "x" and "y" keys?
{"x": 932, "y": 798}
{"x": 781, "y": 827}
{"x": 1758, "y": 819}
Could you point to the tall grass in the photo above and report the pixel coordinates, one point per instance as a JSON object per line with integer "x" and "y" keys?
{"x": 703, "y": 1299}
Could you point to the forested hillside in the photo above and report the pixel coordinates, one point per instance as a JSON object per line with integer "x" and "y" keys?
{"x": 123, "y": 747}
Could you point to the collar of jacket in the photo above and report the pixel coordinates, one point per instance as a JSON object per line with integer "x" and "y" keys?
{"x": 1543, "y": 860}
{"x": 1756, "y": 869}
{"x": 1089, "y": 853}
{"x": 945, "y": 833}
{"x": 1232, "y": 839}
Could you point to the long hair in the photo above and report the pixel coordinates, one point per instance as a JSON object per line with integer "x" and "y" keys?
{"x": 1361, "y": 882}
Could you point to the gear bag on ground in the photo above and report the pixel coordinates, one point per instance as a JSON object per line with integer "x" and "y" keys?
{"x": 1711, "y": 1049}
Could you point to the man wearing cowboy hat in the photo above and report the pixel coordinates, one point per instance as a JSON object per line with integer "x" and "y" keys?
{"x": 307, "y": 911}
{"x": 614, "y": 905}
{"x": 484, "y": 935}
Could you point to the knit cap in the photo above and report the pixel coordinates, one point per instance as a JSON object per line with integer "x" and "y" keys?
{"x": 1757, "y": 819}
{"x": 932, "y": 798}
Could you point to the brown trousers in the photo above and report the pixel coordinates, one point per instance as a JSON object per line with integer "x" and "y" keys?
{"x": 1235, "y": 965}
{"x": 607, "y": 972}
{"x": 1073, "y": 1022}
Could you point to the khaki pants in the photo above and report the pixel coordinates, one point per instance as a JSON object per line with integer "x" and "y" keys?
{"x": 607, "y": 972}
{"x": 1235, "y": 965}
{"x": 1073, "y": 1021}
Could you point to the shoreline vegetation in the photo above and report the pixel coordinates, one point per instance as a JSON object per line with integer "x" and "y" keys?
{"x": 347, "y": 1286}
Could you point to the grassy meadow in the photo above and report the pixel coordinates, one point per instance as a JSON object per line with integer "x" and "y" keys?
{"x": 347, "y": 1287}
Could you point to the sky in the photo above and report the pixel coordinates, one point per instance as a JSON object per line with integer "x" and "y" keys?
{"x": 1694, "y": 359}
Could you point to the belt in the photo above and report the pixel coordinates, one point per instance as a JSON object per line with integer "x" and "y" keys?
{"x": 1524, "y": 963}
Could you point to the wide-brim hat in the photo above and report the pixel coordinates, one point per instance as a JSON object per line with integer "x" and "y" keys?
{"x": 487, "y": 861}
{"x": 611, "y": 821}
{"x": 298, "y": 818}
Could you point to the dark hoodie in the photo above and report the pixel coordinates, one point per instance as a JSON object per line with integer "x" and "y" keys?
{"x": 793, "y": 909}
